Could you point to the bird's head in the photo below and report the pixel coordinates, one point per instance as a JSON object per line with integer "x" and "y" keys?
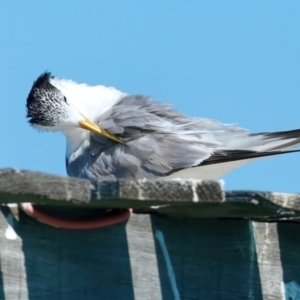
{"x": 48, "y": 108}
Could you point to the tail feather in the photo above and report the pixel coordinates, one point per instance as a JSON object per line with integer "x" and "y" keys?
{"x": 260, "y": 142}
{"x": 235, "y": 155}
{"x": 285, "y": 139}
{"x": 283, "y": 135}
{"x": 239, "y": 150}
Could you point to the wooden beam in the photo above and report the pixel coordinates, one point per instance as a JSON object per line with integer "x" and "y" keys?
{"x": 184, "y": 198}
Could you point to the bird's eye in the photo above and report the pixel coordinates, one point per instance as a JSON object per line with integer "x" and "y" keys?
{"x": 65, "y": 99}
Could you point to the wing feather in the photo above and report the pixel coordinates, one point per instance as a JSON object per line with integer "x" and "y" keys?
{"x": 159, "y": 141}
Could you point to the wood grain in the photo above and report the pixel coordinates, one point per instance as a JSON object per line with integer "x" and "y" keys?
{"x": 184, "y": 198}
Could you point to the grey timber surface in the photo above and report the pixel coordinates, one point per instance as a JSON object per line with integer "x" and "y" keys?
{"x": 191, "y": 198}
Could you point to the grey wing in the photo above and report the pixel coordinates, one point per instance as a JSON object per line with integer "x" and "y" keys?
{"x": 157, "y": 141}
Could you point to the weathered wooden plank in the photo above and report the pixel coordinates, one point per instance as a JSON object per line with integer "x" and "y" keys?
{"x": 145, "y": 276}
{"x": 192, "y": 198}
{"x": 198, "y": 258}
{"x": 280, "y": 205}
{"x": 27, "y": 186}
{"x": 269, "y": 262}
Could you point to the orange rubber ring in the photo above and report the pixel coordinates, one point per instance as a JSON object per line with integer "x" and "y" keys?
{"x": 113, "y": 217}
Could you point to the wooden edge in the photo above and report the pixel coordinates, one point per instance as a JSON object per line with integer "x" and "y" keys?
{"x": 40, "y": 188}
{"x": 165, "y": 196}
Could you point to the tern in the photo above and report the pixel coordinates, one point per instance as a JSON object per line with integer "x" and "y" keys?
{"x": 113, "y": 135}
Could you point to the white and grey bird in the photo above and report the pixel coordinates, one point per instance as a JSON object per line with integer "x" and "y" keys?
{"x": 114, "y": 135}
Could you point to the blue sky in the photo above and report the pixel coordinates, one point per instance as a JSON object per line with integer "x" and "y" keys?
{"x": 236, "y": 61}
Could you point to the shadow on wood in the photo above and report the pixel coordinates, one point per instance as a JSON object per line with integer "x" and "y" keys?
{"x": 289, "y": 242}
{"x": 67, "y": 264}
{"x": 211, "y": 259}
{"x": 196, "y": 258}
{"x": 150, "y": 257}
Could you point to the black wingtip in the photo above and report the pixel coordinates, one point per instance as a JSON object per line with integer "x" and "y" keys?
{"x": 282, "y": 135}
{"x": 235, "y": 155}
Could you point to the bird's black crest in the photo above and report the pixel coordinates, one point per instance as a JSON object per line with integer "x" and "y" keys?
{"x": 41, "y": 101}
{"x": 42, "y": 82}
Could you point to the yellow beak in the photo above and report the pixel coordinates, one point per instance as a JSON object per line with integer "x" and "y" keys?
{"x": 91, "y": 126}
